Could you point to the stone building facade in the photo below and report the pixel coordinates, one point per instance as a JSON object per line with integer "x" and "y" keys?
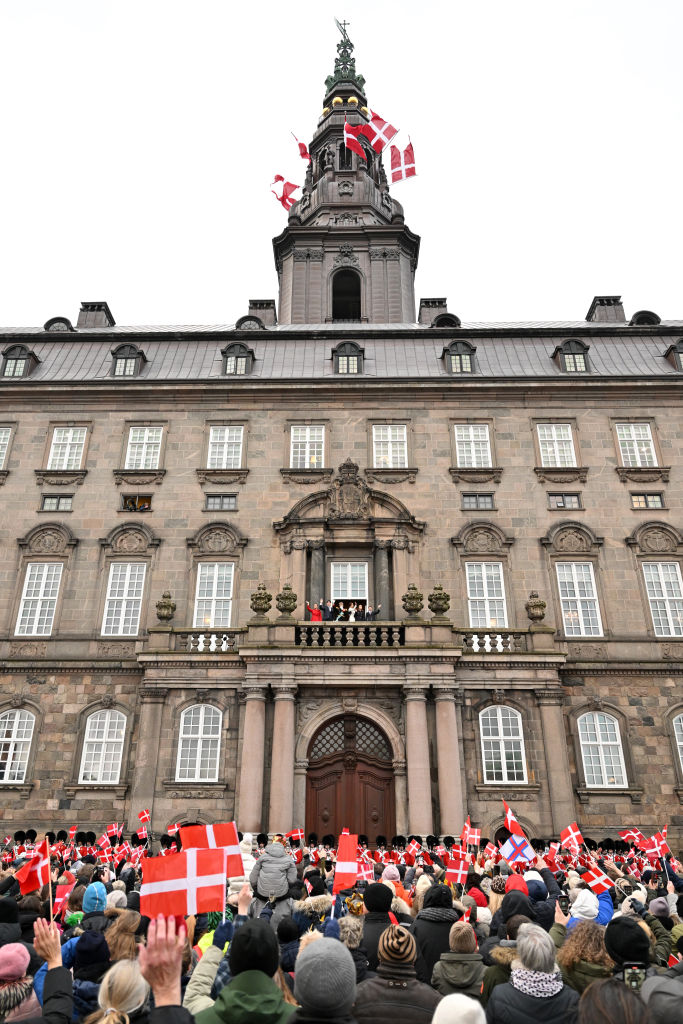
{"x": 343, "y": 447}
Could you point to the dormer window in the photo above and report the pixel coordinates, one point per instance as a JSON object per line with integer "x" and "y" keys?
{"x": 128, "y": 360}
{"x": 18, "y": 361}
{"x": 674, "y": 354}
{"x": 237, "y": 360}
{"x": 459, "y": 357}
{"x": 645, "y": 318}
{"x": 445, "y": 320}
{"x": 348, "y": 358}
{"x": 572, "y": 357}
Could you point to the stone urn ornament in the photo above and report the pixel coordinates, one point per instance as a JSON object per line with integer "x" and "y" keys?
{"x": 535, "y": 607}
{"x": 260, "y": 603}
{"x": 165, "y": 607}
{"x": 439, "y": 602}
{"x": 286, "y": 601}
{"x": 412, "y": 602}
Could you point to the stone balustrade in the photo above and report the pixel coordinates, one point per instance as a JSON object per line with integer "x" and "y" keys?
{"x": 494, "y": 641}
{"x": 350, "y": 634}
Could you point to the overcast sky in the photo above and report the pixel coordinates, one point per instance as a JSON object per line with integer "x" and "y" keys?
{"x": 139, "y": 138}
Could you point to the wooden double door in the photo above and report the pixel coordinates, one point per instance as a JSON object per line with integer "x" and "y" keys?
{"x": 350, "y": 781}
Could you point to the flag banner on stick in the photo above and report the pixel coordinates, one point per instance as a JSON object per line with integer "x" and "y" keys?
{"x": 597, "y": 880}
{"x": 365, "y": 871}
{"x": 61, "y": 896}
{"x": 571, "y": 837}
{"x": 172, "y": 829}
{"x": 351, "y": 139}
{"x": 297, "y": 834}
{"x": 346, "y": 868}
{"x": 511, "y": 823}
{"x": 303, "y": 150}
{"x": 457, "y": 871}
{"x": 144, "y": 816}
{"x": 113, "y": 829}
{"x": 378, "y": 132}
{"x": 402, "y": 163}
{"x": 413, "y": 848}
{"x": 212, "y": 837}
{"x": 142, "y": 832}
{"x": 192, "y": 882}
{"x": 517, "y": 848}
{"x": 36, "y": 872}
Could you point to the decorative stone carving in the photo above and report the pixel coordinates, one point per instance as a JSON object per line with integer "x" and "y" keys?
{"x": 166, "y": 607}
{"x": 50, "y": 539}
{"x": 61, "y": 477}
{"x": 306, "y": 476}
{"x": 107, "y": 701}
{"x": 217, "y": 538}
{"x": 439, "y": 601}
{"x": 286, "y": 601}
{"x": 222, "y": 476}
{"x": 588, "y": 652}
{"x": 535, "y": 607}
{"x": 571, "y": 540}
{"x": 403, "y": 544}
{"x": 308, "y": 709}
{"x": 346, "y": 219}
{"x": 482, "y": 537}
{"x": 657, "y": 541}
{"x": 290, "y": 544}
{"x": 129, "y": 540}
{"x": 561, "y": 474}
{"x": 498, "y": 696}
{"x": 301, "y": 255}
{"x": 385, "y": 254}
{"x": 112, "y": 649}
{"x": 643, "y": 474}
{"x": 201, "y": 694}
{"x": 474, "y": 475}
{"x": 672, "y": 652}
{"x": 17, "y": 700}
{"x": 138, "y": 478}
{"x": 392, "y": 476}
{"x": 261, "y": 601}
{"x": 596, "y": 703}
{"x": 412, "y": 602}
{"x": 345, "y": 257}
{"x": 345, "y": 188}
{"x": 350, "y": 704}
{"x": 30, "y": 649}
{"x": 481, "y": 540}
{"x": 349, "y": 496}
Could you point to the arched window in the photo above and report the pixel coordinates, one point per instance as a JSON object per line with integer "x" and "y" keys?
{"x": 237, "y": 360}
{"x": 345, "y": 158}
{"x": 199, "y": 744}
{"x": 645, "y": 318}
{"x": 16, "y": 732}
{"x": 502, "y": 745}
{"x": 346, "y": 295}
{"x": 603, "y": 758}
{"x": 459, "y": 357}
{"x": 572, "y": 357}
{"x": 348, "y": 358}
{"x": 18, "y": 361}
{"x": 127, "y": 361}
{"x": 103, "y": 747}
{"x": 678, "y": 733}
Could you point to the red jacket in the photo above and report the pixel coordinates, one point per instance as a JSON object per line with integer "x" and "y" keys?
{"x": 316, "y": 613}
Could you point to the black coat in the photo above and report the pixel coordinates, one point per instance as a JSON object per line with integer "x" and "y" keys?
{"x": 507, "y": 1005}
{"x": 57, "y": 998}
{"x": 374, "y": 923}
{"x": 394, "y": 994}
{"x": 431, "y": 930}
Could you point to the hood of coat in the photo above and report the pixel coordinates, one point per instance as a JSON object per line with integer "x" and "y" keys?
{"x": 276, "y": 851}
{"x": 314, "y": 906}
{"x": 515, "y": 902}
{"x": 250, "y": 997}
{"x": 462, "y": 969}
{"x": 13, "y": 993}
{"x": 504, "y": 955}
{"x": 399, "y": 906}
{"x": 10, "y": 931}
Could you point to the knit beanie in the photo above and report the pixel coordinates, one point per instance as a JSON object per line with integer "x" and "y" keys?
{"x": 351, "y": 931}
{"x": 287, "y": 930}
{"x": 378, "y": 898}
{"x": 438, "y": 896}
{"x": 396, "y": 946}
{"x": 95, "y": 898}
{"x": 516, "y": 882}
{"x": 626, "y": 941}
{"x": 659, "y": 907}
{"x": 318, "y": 887}
{"x": 586, "y": 905}
{"x": 484, "y": 915}
{"x": 458, "y": 1009}
{"x": 254, "y": 948}
{"x": 498, "y": 885}
{"x": 117, "y": 898}
{"x": 325, "y": 979}
{"x": 91, "y": 948}
{"x": 461, "y": 938}
{"x": 391, "y": 874}
{"x": 118, "y": 884}
{"x": 14, "y": 961}
{"x": 9, "y": 910}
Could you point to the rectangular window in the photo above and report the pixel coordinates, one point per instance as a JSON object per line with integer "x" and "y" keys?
{"x": 307, "y": 447}
{"x": 125, "y": 366}
{"x": 5, "y": 434}
{"x": 221, "y": 502}
{"x": 461, "y": 362}
{"x": 236, "y": 364}
{"x": 390, "y": 446}
{"x": 564, "y": 501}
{"x": 124, "y": 599}
{"x": 347, "y": 364}
{"x": 225, "y": 447}
{"x": 665, "y": 594}
{"x": 556, "y": 444}
{"x": 647, "y": 501}
{"x": 66, "y": 451}
{"x": 14, "y": 367}
{"x": 213, "y": 603}
{"x": 574, "y": 362}
{"x": 349, "y": 581}
{"x": 472, "y": 445}
{"x": 636, "y": 445}
{"x": 39, "y": 599}
{"x": 144, "y": 447}
{"x": 477, "y": 502}
{"x": 57, "y": 503}
{"x": 579, "y": 599}
{"x": 136, "y": 502}
{"x": 486, "y": 595}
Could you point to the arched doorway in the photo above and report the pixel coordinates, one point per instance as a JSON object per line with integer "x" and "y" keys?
{"x": 350, "y": 779}
{"x": 346, "y": 303}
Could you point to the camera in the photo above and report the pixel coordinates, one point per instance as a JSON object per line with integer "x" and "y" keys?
{"x": 634, "y": 975}
{"x": 564, "y": 904}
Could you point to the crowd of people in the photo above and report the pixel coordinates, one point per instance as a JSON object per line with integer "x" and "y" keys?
{"x": 508, "y": 945}
{"x": 337, "y": 611}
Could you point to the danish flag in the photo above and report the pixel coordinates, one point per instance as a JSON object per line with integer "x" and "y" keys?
{"x": 8, "y": 840}
{"x": 172, "y": 829}
{"x": 346, "y": 868}
{"x": 365, "y": 871}
{"x": 402, "y": 163}
{"x": 466, "y": 916}
{"x": 142, "y": 832}
{"x": 658, "y": 844}
{"x": 633, "y": 835}
{"x": 314, "y": 856}
{"x": 456, "y": 871}
{"x": 113, "y": 829}
{"x": 511, "y": 823}
{"x": 297, "y": 834}
{"x": 378, "y": 131}
{"x": 36, "y": 872}
{"x": 72, "y": 832}
{"x": 489, "y": 850}
{"x": 144, "y": 816}
{"x": 597, "y": 880}
{"x": 105, "y": 856}
{"x": 413, "y": 848}
{"x": 192, "y": 882}
{"x": 297, "y": 855}
{"x": 61, "y": 896}
{"x": 571, "y": 836}
{"x": 553, "y": 850}
{"x": 309, "y": 886}
{"x": 351, "y": 142}
{"x": 473, "y": 836}
{"x": 103, "y": 841}
{"x": 215, "y": 836}
{"x": 441, "y": 851}
{"x": 303, "y": 151}
{"x": 288, "y": 188}
{"x": 122, "y": 852}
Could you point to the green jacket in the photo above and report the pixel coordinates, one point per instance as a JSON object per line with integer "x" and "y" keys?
{"x": 582, "y": 973}
{"x": 459, "y": 972}
{"x": 250, "y": 998}
{"x": 499, "y": 971}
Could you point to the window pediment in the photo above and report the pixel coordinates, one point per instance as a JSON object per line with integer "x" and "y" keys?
{"x": 49, "y": 539}
{"x": 572, "y": 538}
{"x": 482, "y": 537}
{"x": 217, "y": 538}
{"x": 655, "y": 538}
{"x": 130, "y": 538}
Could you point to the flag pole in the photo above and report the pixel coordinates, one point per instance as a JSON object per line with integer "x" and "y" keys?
{"x": 49, "y": 882}
{"x": 225, "y": 885}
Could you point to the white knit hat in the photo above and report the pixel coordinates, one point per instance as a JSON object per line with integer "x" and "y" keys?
{"x": 459, "y": 1009}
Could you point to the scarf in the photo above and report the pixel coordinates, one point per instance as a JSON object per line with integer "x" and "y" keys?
{"x": 536, "y": 983}
{"x": 12, "y": 993}
{"x": 438, "y": 914}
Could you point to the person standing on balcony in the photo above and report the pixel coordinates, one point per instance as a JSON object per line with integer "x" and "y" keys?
{"x": 328, "y": 611}
{"x": 316, "y": 612}
{"x": 352, "y": 612}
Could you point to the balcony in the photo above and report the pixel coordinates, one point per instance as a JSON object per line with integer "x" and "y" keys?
{"x": 358, "y": 635}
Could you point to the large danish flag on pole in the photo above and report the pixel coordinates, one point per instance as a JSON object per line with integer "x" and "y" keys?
{"x": 511, "y": 823}
{"x": 351, "y": 139}
{"x": 346, "y": 868}
{"x": 214, "y": 837}
{"x": 597, "y": 880}
{"x": 192, "y": 882}
{"x": 571, "y": 836}
{"x": 36, "y": 872}
{"x": 402, "y": 163}
{"x": 378, "y": 131}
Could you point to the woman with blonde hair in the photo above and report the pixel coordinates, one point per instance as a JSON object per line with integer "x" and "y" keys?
{"x": 121, "y": 936}
{"x": 123, "y": 996}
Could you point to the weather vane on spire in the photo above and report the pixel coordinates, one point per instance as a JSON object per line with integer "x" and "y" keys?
{"x": 341, "y": 25}
{"x": 344, "y": 64}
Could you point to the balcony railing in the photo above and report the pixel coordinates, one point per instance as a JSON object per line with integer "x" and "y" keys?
{"x": 209, "y": 641}
{"x": 494, "y": 641}
{"x": 350, "y": 634}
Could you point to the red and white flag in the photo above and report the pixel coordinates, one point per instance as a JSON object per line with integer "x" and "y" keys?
{"x": 297, "y": 855}
{"x": 473, "y": 836}
{"x": 413, "y": 848}
{"x": 553, "y": 850}
{"x": 633, "y": 835}
{"x": 489, "y": 850}
{"x": 61, "y": 896}
{"x": 378, "y": 131}
{"x": 288, "y": 189}
{"x": 72, "y": 832}
{"x": 597, "y": 880}
{"x": 172, "y": 829}
{"x": 113, "y": 829}
{"x": 365, "y": 871}
{"x": 673, "y": 961}
{"x": 402, "y": 163}
{"x": 105, "y": 856}
{"x": 351, "y": 142}
{"x": 36, "y": 872}
{"x": 457, "y": 871}
{"x": 144, "y": 816}
{"x": 192, "y": 882}
{"x": 511, "y": 823}
{"x": 346, "y": 868}
{"x": 571, "y": 837}
{"x": 212, "y": 837}
{"x": 8, "y": 840}
{"x": 103, "y": 841}
{"x": 466, "y": 916}
{"x": 142, "y": 832}
{"x": 297, "y": 834}
{"x": 659, "y": 844}
{"x": 303, "y": 151}
{"x": 123, "y": 851}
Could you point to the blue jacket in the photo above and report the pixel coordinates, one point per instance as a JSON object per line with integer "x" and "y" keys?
{"x": 605, "y": 911}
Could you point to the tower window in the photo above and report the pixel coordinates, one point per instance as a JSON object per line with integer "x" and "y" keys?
{"x": 346, "y": 295}
{"x": 345, "y": 158}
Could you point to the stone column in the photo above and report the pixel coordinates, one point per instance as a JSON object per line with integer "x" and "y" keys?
{"x": 299, "y": 814}
{"x": 417, "y": 757}
{"x": 293, "y": 571}
{"x": 281, "y": 811}
{"x": 560, "y": 792}
{"x": 401, "y": 794}
{"x": 451, "y": 803}
{"x": 146, "y": 767}
{"x": 317, "y": 587}
{"x": 251, "y": 770}
{"x": 382, "y": 591}
{"x": 400, "y": 581}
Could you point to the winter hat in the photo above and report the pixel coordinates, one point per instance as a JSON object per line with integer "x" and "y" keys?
{"x": 659, "y": 907}
{"x": 458, "y": 1009}
{"x": 247, "y": 842}
{"x": 518, "y": 883}
{"x": 532, "y": 876}
{"x": 325, "y": 979}
{"x": 117, "y": 898}
{"x": 14, "y": 961}
{"x": 95, "y": 898}
{"x": 351, "y": 931}
{"x": 91, "y": 948}
{"x": 254, "y": 948}
{"x": 287, "y": 930}
{"x": 538, "y": 891}
{"x": 117, "y": 884}
{"x": 478, "y": 896}
{"x": 647, "y": 875}
{"x": 438, "y": 896}
{"x": 498, "y": 885}
{"x": 586, "y": 905}
{"x": 378, "y": 898}
{"x": 485, "y": 884}
{"x": 461, "y": 938}
{"x": 9, "y": 910}
{"x": 133, "y": 900}
{"x": 626, "y": 941}
{"x": 391, "y": 874}
{"x": 505, "y": 868}
{"x": 396, "y": 946}
{"x": 423, "y": 883}
{"x": 318, "y": 887}
{"x": 573, "y": 877}
{"x": 484, "y": 915}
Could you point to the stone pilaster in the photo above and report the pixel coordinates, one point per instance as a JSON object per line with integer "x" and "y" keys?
{"x": 382, "y": 591}
{"x": 152, "y": 700}
{"x": 250, "y": 792}
{"x": 556, "y": 758}
{"x": 317, "y": 574}
{"x": 451, "y": 796}
{"x": 417, "y": 757}
{"x": 401, "y": 794}
{"x": 281, "y": 811}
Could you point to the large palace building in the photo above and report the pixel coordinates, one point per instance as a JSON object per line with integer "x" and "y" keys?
{"x": 507, "y": 498}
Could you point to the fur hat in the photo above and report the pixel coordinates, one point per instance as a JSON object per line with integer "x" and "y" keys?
{"x": 254, "y": 947}
{"x": 396, "y": 946}
{"x": 325, "y": 979}
{"x": 378, "y": 897}
{"x": 351, "y": 931}
{"x": 498, "y": 885}
{"x": 14, "y": 961}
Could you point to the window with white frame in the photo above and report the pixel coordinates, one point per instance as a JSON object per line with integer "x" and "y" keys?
{"x": 144, "y": 447}
{"x": 603, "y": 759}
{"x": 556, "y": 444}
{"x": 665, "y": 594}
{"x": 213, "y": 601}
{"x": 579, "y": 599}
{"x": 66, "y": 451}
{"x": 307, "y": 447}
{"x": 486, "y": 594}
{"x": 678, "y": 734}
{"x": 636, "y": 445}
{"x": 349, "y": 581}
{"x": 103, "y": 748}
{"x": 199, "y": 744}
{"x": 472, "y": 445}
{"x": 5, "y": 434}
{"x": 225, "y": 447}
{"x": 16, "y": 732}
{"x": 502, "y": 745}
{"x": 39, "y": 599}
{"x": 389, "y": 446}
{"x": 124, "y": 599}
